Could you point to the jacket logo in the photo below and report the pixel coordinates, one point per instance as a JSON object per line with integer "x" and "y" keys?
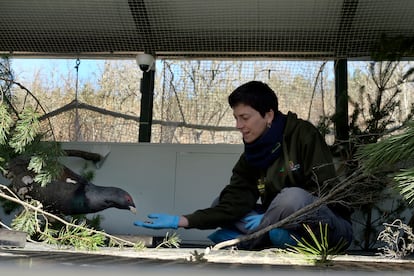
{"x": 292, "y": 167}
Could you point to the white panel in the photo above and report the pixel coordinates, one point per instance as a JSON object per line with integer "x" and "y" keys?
{"x": 200, "y": 178}
{"x": 162, "y": 178}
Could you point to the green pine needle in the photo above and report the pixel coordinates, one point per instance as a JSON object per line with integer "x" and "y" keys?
{"x": 170, "y": 241}
{"x": 6, "y": 123}
{"x": 317, "y": 249}
{"x": 405, "y": 180}
{"x": 26, "y": 130}
{"x": 387, "y": 152}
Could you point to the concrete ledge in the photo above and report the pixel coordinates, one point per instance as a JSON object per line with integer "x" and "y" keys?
{"x": 12, "y": 238}
{"x": 204, "y": 257}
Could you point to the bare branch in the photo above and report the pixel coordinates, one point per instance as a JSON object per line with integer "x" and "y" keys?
{"x": 75, "y": 104}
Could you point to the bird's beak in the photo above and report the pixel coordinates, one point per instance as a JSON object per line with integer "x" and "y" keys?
{"x": 133, "y": 209}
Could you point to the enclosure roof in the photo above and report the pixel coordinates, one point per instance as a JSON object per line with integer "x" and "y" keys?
{"x": 199, "y": 28}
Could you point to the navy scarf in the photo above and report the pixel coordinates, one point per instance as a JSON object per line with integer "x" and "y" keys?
{"x": 262, "y": 152}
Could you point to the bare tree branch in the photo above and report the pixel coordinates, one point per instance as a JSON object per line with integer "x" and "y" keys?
{"x": 75, "y": 104}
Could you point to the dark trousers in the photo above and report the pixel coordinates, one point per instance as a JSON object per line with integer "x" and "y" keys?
{"x": 287, "y": 202}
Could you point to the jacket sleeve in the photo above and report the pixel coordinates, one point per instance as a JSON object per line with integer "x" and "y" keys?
{"x": 235, "y": 200}
{"x": 317, "y": 160}
{"x": 320, "y": 169}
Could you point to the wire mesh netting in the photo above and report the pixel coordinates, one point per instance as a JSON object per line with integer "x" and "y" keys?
{"x": 190, "y": 98}
{"x": 195, "y": 93}
{"x": 204, "y": 49}
{"x": 197, "y": 28}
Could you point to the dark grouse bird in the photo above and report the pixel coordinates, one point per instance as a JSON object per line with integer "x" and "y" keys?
{"x": 71, "y": 194}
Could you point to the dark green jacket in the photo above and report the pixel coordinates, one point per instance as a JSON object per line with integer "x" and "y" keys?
{"x": 306, "y": 161}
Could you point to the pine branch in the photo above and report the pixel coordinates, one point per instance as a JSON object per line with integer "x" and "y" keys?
{"x": 388, "y": 152}
{"x": 405, "y": 180}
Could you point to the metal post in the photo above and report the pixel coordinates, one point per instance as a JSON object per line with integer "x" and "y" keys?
{"x": 341, "y": 100}
{"x": 147, "y": 100}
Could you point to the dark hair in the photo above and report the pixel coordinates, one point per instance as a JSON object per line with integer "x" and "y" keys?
{"x": 256, "y": 94}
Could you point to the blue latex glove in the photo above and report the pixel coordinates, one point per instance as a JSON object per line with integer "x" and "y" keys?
{"x": 281, "y": 238}
{"x": 252, "y": 221}
{"x": 224, "y": 234}
{"x": 159, "y": 221}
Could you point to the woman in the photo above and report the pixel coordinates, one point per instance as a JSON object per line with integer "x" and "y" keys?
{"x": 286, "y": 164}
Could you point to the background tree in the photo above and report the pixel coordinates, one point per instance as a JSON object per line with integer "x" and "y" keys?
{"x": 376, "y": 109}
